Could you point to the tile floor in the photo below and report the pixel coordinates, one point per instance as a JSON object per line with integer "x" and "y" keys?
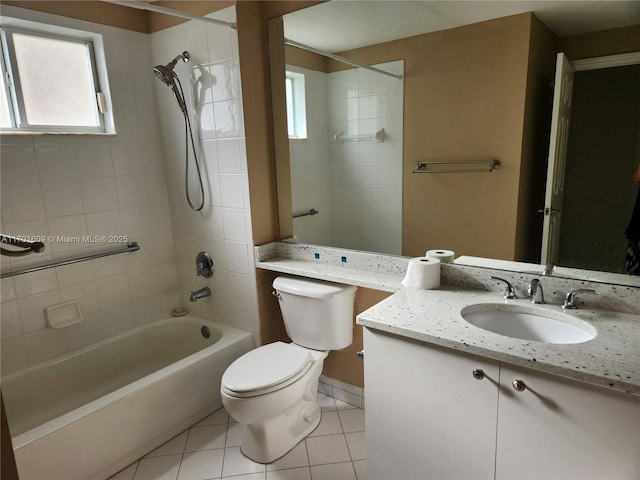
{"x": 211, "y": 450}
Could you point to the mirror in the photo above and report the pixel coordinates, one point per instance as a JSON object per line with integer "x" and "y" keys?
{"x": 476, "y": 85}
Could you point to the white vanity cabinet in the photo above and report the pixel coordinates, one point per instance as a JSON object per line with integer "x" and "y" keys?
{"x": 557, "y": 428}
{"x": 428, "y": 417}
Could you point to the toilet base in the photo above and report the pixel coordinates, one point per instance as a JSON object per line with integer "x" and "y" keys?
{"x": 267, "y": 442}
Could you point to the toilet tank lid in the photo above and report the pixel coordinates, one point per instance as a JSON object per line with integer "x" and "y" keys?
{"x": 308, "y": 287}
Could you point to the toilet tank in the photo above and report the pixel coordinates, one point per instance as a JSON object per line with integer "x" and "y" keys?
{"x": 316, "y": 314}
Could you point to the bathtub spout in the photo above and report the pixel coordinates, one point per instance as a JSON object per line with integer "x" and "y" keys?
{"x": 198, "y": 294}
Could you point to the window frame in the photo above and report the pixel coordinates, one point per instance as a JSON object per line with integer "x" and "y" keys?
{"x": 13, "y": 84}
{"x": 297, "y": 111}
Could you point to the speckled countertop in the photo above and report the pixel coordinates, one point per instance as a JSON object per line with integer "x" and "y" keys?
{"x": 611, "y": 359}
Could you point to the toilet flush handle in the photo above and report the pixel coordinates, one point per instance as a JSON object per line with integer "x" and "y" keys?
{"x": 275, "y": 294}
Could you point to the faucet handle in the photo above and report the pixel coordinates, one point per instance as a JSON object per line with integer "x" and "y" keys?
{"x": 509, "y": 292}
{"x": 569, "y": 299}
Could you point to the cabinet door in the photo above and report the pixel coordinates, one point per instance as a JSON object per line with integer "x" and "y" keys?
{"x": 427, "y": 417}
{"x": 560, "y": 429}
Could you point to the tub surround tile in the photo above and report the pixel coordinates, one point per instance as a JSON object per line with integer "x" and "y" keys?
{"x": 609, "y": 360}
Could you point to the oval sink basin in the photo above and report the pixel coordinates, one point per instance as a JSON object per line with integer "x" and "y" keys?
{"x": 518, "y": 321}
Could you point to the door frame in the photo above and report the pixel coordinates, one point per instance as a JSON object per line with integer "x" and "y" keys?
{"x": 579, "y": 65}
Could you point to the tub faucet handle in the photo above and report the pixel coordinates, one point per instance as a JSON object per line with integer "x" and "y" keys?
{"x": 509, "y": 292}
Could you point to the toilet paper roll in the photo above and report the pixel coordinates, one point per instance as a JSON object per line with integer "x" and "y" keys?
{"x": 422, "y": 272}
{"x": 445, "y": 256}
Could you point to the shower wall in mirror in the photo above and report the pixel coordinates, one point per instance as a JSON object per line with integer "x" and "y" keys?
{"x": 348, "y": 167}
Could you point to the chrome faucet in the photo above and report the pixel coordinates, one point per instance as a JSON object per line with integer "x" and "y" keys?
{"x": 509, "y": 292}
{"x": 569, "y": 299}
{"x": 534, "y": 290}
{"x": 198, "y": 294}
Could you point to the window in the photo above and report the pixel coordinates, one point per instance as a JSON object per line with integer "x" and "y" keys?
{"x": 296, "y": 105}
{"x": 49, "y": 83}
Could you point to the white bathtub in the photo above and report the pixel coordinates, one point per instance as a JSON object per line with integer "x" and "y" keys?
{"x": 90, "y": 413}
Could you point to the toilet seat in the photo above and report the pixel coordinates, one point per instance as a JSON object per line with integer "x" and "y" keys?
{"x": 266, "y": 369}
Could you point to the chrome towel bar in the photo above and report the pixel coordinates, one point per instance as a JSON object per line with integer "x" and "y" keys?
{"x": 449, "y": 166}
{"x": 131, "y": 247}
{"x": 311, "y": 211}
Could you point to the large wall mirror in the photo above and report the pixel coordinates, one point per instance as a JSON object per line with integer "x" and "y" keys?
{"x": 464, "y": 83}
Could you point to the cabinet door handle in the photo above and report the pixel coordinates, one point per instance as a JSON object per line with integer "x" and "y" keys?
{"x": 478, "y": 374}
{"x": 519, "y": 385}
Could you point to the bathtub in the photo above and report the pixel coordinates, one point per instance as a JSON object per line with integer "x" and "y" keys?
{"x": 92, "y": 412}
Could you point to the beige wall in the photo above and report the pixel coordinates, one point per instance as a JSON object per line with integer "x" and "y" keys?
{"x": 598, "y": 44}
{"x": 120, "y": 16}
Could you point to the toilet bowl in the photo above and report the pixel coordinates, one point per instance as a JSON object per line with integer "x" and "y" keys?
{"x": 278, "y": 409}
{"x": 272, "y": 390}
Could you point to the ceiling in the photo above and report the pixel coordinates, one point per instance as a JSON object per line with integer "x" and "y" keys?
{"x": 348, "y": 24}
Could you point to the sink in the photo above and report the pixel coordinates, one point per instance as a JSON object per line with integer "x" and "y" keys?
{"x": 528, "y": 323}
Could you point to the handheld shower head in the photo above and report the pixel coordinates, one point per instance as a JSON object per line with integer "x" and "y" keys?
{"x": 165, "y": 72}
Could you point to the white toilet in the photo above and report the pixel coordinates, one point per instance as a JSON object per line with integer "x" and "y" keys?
{"x": 272, "y": 390}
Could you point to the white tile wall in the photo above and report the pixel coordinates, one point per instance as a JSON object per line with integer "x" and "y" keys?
{"x": 357, "y": 187}
{"x": 133, "y": 184}
{"x": 89, "y": 185}
{"x": 211, "y": 81}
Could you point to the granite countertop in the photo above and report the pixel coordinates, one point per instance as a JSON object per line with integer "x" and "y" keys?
{"x": 377, "y": 271}
{"x": 334, "y": 273}
{"x": 610, "y": 360}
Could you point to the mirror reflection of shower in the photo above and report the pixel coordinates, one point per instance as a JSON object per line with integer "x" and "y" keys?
{"x": 167, "y": 76}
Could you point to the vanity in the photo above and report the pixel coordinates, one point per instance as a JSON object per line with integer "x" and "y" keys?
{"x": 448, "y": 399}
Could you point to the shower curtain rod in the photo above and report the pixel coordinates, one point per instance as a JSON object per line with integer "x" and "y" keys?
{"x": 333, "y": 56}
{"x": 170, "y": 11}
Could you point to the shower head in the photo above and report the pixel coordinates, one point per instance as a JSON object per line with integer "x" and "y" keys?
{"x": 165, "y": 72}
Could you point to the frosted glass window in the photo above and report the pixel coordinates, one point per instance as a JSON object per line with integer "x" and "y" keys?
{"x": 52, "y": 83}
{"x": 56, "y": 80}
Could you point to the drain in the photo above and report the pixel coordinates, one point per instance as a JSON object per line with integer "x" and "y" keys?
{"x": 206, "y": 333}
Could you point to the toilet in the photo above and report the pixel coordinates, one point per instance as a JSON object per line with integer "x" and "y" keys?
{"x": 272, "y": 390}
